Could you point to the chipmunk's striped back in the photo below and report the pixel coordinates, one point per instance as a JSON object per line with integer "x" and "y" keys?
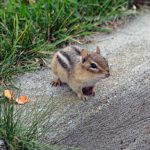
{"x": 76, "y": 49}
{"x": 67, "y": 57}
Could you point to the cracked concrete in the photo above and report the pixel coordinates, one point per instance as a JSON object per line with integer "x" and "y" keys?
{"x": 118, "y": 117}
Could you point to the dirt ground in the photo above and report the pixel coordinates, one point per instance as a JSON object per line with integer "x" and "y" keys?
{"x": 118, "y": 117}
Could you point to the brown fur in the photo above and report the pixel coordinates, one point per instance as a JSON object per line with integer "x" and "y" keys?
{"x": 81, "y": 75}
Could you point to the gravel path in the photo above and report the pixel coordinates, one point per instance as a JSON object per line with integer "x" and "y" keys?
{"x": 118, "y": 117}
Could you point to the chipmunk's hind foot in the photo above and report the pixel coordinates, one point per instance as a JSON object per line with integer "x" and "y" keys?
{"x": 56, "y": 82}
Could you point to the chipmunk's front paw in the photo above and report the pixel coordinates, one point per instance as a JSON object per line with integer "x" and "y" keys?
{"x": 93, "y": 93}
{"x": 83, "y": 97}
{"x": 56, "y": 82}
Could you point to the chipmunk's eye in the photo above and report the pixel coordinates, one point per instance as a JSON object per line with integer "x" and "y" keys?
{"x": 93, "y": 65}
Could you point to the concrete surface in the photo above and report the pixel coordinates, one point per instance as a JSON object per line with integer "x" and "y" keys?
{"x": 118, "y": 117}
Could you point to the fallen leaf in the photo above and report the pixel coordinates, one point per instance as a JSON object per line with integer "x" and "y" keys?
{"x": 9, "y": 94}
{"x": 22, "y": 100}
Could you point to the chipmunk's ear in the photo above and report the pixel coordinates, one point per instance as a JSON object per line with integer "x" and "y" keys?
{"x": 84, "y": 55}
{"x": 98, "y": 51}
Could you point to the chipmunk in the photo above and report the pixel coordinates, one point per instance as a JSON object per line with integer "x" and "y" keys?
{"x": 80, "y": 69}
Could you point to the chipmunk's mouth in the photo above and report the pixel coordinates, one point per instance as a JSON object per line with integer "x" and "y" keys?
{"x": 104, "y": 77}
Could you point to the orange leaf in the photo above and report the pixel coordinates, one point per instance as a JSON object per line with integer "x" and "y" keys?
{"x": 9, "y": 94}
{"x": 22, "y": 100}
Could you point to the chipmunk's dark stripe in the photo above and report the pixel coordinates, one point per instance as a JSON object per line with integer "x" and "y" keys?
{"x": 77, "y": 50}
{"x": 67, "y": 57}
{"x": 64, "y": 65}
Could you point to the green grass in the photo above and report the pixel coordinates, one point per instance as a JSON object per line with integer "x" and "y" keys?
{"x": 22, "y": 130}
{"x": 26, "y": 30}
{"x": 16, "y": 135}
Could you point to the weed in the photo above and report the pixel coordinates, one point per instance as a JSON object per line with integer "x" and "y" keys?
{"x": 20, "y": 130}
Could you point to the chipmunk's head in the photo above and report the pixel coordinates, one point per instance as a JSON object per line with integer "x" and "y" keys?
{"x": 95, "y": 63}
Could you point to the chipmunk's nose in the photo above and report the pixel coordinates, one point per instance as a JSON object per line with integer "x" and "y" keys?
{"x": 107, "y": 74}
